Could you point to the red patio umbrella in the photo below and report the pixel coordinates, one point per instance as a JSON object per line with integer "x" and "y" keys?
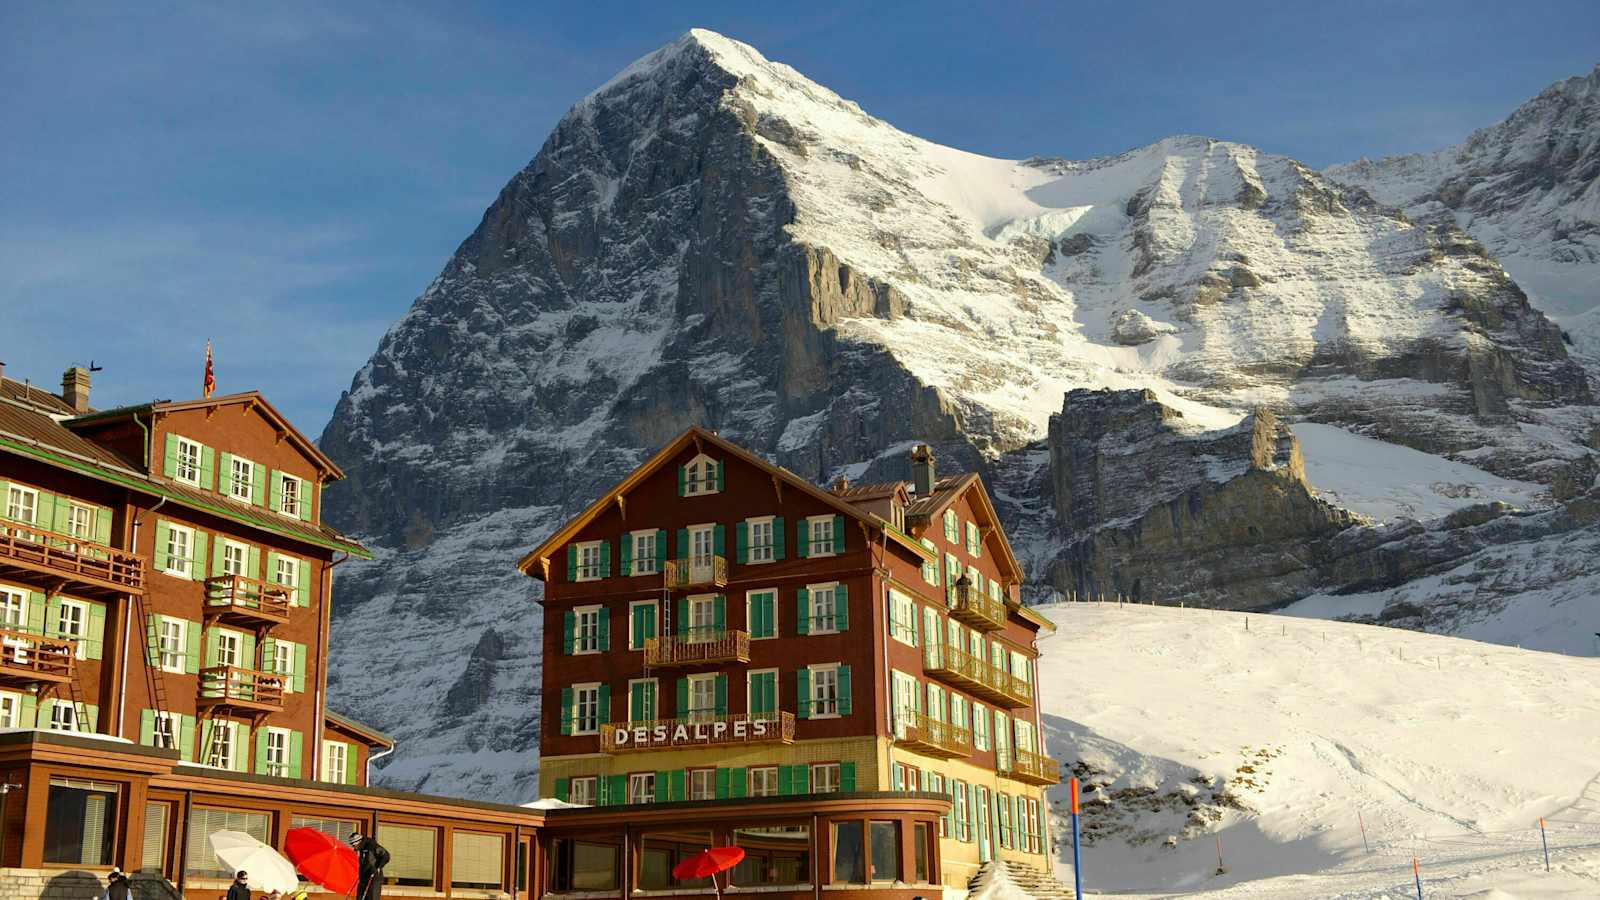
{"x": 323, "y": 859}
{"x": 707, "y": 863}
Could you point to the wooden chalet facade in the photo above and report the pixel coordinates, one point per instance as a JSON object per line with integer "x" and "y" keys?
{"x": 719, "y": 630}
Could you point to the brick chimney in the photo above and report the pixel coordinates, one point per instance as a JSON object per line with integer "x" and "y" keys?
{"x": 75, "y": 388}
{"x": 922, "y": 474}
{"x": 841, "y": 484}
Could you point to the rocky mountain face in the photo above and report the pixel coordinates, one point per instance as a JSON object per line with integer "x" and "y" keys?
{"x": 712, "y": 238}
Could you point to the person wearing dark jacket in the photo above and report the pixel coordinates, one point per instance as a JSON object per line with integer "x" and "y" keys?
{"x": 117, "y": 887}
{"x": 240, "y": 889}
{"x": 371, "y": 857}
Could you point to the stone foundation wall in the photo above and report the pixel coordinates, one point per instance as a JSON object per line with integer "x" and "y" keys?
{"x": 75, "y": 884}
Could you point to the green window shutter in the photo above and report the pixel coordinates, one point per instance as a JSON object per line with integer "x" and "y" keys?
{"x": 683, "y": 698}
{"x": 563, "y": 789}
{"x": 661, "y": 547}
{"x": 102, "y": 526}
{"x": 275, "y": 491}
{"x": 719, "y": 539}
{"x": 785, "y": 780}
{"x": 572, "y": 562}
{"x": 841, "y": 607}
{"x": 208, "y": 468}
{"x": 838, "y": 534}
{"x": 161, "y": 559}
{"x": 253, "y": 561}
{"x": 566, "y": 710}
{"x": 619, "y": 790}
{"x": 97, "y": 632}
{"x": 605, "y": 560}
{"x": 802, "y": 539}
{"x": 777, "y": 537}
{"x": 636, "y": 636}
{"x": 272, "y": 566}
{"x": 682, "y": 615}
{"x": 663, "y": 786}
{"x": 147, "y": 727}
{"x": 682, "y": 478}
{"x": 303, "y": 575}
{"x": 605, "y": 629}
{"x": 603, "y": 713}
{"x": 569, "y": 630}
{"x": 226, "y": 485}
{"x": 258, "y": 485}
{"x": 305, "y": 501}
{"x": 719, "y": 612}
{"x": 802, "y": 687}
{"x": 722, "y": 694}
{"x": 802, "y": 779}
{"x": 197, "y": 569}
{"x": 250, "y": 652}
{"x": 269, "y": 654}
{"x": 844, "y": 690}
{"x": 636, "y": 702}
{"x": 91, "y": 717}
{"x": 30, "y": 711}
{"x": 682, "y": 551}
{"x": 847, "y": 777}
{"x": 185, "y": 734}
{"x": 721, "y": 783}
{"x": 296, "y": 750}
{"x": 738, "y": 782}
{"x": 803, "y": 611}
{"x": 299, "y": 668}
{"x": 261, "y": 751}
{"x": 677, "y": 784}
{"x": 61, "y": 515}
{"x": 52, "y": 616}
{"x": 240, "y": 764}
{"x": 625, "y": 544}
{"x": 741, "y": 542}
{"x": 722, "y": 476}
{"x": 169, "y": 460}
{"x": 353, "y": 770}
{"x": 216, "y": 557}
{"x": 191, "y": 649}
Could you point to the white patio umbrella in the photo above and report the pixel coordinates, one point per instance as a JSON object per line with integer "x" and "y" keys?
{"x": 267, "y": 869}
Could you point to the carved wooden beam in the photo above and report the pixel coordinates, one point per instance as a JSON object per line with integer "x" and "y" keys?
{"x": 698, "y": 447}
{"x": 249, "y": 407}
{"x": 281, "y": 434}
{"x": 777, "y": 487}
{"x": 544, "y": 567}
{"x": 622, "y": 507}
{"x": 210, "y": 411}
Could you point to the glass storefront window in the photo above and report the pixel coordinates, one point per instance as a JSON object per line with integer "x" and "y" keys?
{"x": 80, "y": 824}
{"x": 849, "y": 854}
{"x": 776, "y": 855}
{"x": 584, "y": 866}
{"x": 476, "y": 860}
{"x": 411, "y": 854}
{"x": 199, "y": 859}
{"x": 920, "y": 830}
{"x": 885, "y": 851}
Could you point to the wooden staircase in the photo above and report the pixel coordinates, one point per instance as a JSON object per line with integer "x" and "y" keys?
{"x": 1031, "y": 880}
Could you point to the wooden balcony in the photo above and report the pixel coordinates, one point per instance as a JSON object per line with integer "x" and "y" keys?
{"x": 90, "y": 569}
{"x": 239, "y": 688}
{"x": 697, "y": 731}
{"x": 701, "y": 571}
{"x": 27, "y": 659}
{"x": 247, "y": 601}
{"x": 979, "y": 611}
{"x": 931, "y": 737}
{"x": 1031, "y": 768}
{"x": 697, "y": 647}
{"x": 957, "y": 667}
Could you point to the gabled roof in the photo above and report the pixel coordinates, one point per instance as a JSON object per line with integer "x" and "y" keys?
{"x": 877, "y": 490}
{"x": 699, "y": 437}
{"x": 372, "y": 736}
{"x": 21, "y": 391}
{"x": 945, "y": 492}
{"x": 253, "y": 398}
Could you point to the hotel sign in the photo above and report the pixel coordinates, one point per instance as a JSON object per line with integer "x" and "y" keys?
{"x": 673, "y": 734}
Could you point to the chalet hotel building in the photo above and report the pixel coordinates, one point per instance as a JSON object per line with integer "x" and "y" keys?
{"x": 719, "y": 629}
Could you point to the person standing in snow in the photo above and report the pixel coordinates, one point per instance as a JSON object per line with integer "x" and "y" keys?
{"x": 371, "y": 858}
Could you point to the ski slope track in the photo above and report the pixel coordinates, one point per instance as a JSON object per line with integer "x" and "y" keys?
{"x": 1287, "y": 738}
{"x": 712, "y": 238}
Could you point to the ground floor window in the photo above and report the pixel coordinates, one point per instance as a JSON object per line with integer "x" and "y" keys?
{"x": 338, "y": 829}
{"x": 885, "y": 846}
{"x": 584, "y": 866}
{"x": 921, "y": 852}
{"x": 154, "y": 858}
{"x": 80, "y": 824}
{"x": 702, "y": 784}
{"x": 411, "y": 852}
{"x": 199, "y": 859}
{"x": 775, "y": 855}
{"x": 585, "y": 791}
{"x": 825, "y": 778}
{"x": 642, "y": 787}
{"x": 849, "y": 853}
{"x": 476, "y": 860}
{"x": 764, "y": 781}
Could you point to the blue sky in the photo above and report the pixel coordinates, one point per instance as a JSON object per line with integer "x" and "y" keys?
{"x": 285, "y": 178}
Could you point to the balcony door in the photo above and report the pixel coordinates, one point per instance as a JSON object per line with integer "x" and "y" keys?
{"x": 702, "y": 619}
{"x": 702, "y": 551}
{"x": 14, "y": 617}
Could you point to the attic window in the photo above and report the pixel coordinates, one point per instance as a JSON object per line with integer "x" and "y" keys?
{"x": 702, "y": 475}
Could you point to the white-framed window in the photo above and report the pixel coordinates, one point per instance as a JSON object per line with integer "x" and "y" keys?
{"x": 180, "y": 547}
{"x": 905, "y": 698}
{"x": 335, "y": 761}
{"x": 702, "y": 697}
{"x": 588, "y": 557}
{"x": 288, "y": 575}
{"x": 975, "y": 578}
{"x": 230, "y": 649}
{"x": 644, "y": 622}
{"x": 930, "y": 567}
{"x": 72, "y": 618}
{"x": 702, "y": 624}
{"x": 586, "y": 708}
{"x": 702, "y": 544}
{"x": 80, "y": 522}
{"x": 958, "y": 711}
{"x": 22, "y": 505}
{"x": 824, "y": 778}
{"x": 235, "y": 558}
{"x": 164, "y": 730}
{"x": 289, "y": 498}
{"x": 824, "y": 608}
{"x": 642, "y": 787}
{"x": 645, "y": 561}
{"x": 188, "y": 470}
{"x": 994, "y": 591}
{"x": 584, "y": 791}
{"x": 700, "y": 476}
{"x": 241, "y": 478}
{"x": 758, "y": 536}
{"x": 934, "y": 783}
{"x": 1019, "y": 666}
{"x": 764, "y": 781}
{"x": 702, "y": 784}
{"x": 820, "y": 529}
{"x": 64, "y": 716}
{"x": 1024, "y": 735}
{"x": 586, "y": 629}
{"x": 277, "y": 746}
{"x": 980, "y": 726}
{"x": 10, "y": 710}
{"x": 283, "y": 663}
{"x": 173, "y": 643}
{"x": 13, "y": 608}
{"x": 974, "y": 540}
{"x": 824, "y": 690}
{"x": 963, "y": 823}
{"x": 952, "y": 527}
{"x": 902, "y": 618}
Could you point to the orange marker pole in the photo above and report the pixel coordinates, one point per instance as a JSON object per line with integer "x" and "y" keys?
{"x": 1546, "y": 841}
{"x": 1077, "y": 856}
{"x": 1416, "y": 869}
{"x": 1363, "y": 823}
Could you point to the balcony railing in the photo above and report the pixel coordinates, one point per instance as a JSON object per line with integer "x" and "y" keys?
{"x": 241, "y": 688}
{"x": 956, "y": 666}
{"x": 28, "y": 658}
{"x": 978, "y": 610}
{"x": 698, "y": 571}
{"x": 698, "y": 647}
{"x": 235, "y": 596}
{"x": 1031, "y": 768}
{"x": 697, "y": 731}
{"x": 88, "y": 566}
{"x": 924, "y": 734}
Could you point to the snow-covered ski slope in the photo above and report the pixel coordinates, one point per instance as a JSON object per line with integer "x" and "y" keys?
{"x": 1277, "y": 738}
